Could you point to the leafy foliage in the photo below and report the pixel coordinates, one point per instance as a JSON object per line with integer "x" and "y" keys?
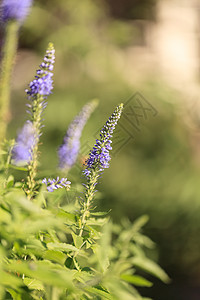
{"x": 43, "y": 256}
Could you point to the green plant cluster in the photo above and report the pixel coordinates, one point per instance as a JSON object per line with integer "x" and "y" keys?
{"x": 42, "y": 255}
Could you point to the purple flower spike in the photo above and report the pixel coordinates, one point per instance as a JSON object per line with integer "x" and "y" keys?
{"x": 42, "y": 85}
{"x": 69, "y": 150}
{"x": 99, "y": 156}
{"x": 26, "y": 140}
{"x": 14, "y": 10}
{"x": 54, "y": 184}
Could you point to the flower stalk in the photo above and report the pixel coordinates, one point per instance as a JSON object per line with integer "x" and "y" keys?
{"x": 26, "y": 148}
{"x": 12, "y": 15}
{"x": 39, "y": 89}
{"x": 98, "y": 160}
{"x": 9, "y": 51}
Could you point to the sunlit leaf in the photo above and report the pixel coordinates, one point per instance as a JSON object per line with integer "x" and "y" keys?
{"x": 100, "y": 213}
{"x": 56, "y": 256}
{"x": 44, "y": 271}
{"x": 61, "y": 247}
{"x": 150, "y": 267}
{"x": 78, "y": 240}
{"x": 136, "y": 280}
{"x": 99, "y": 292}
{"x": 33, "y": 284}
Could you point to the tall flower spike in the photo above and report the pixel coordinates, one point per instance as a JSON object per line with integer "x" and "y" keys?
{"x": 43, "y": 83}
{"x": 22, "y": 150}
{"x": 41, "y": 86}
{"x": 38, "y": 91}
{"x": 14, "y": 10}
{"x": 69, "y": 150}
{"x": 98, "y": 160}
{"x": 99, "y": 156}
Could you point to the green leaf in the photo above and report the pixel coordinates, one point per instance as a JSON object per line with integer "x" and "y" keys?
{"x": 44, "y": 271}
{"x": 78, "y": 240}
{"x": 86, "y": 277}
{"x": 140, "y": 222}
{"x": 18, "y": 185}
{"x": 100, "y": 213}
{"x": 88, "y": 244}
{"x": 121, "y": 290}
{"x": 14, "y": 294}
{"x": 102, "y": 249}
{"x": 3, "y": 152}
{"x": 144, "y": 240}
{"x": 33, "y": 284}
{"x": 99, "y": 292}
{"x": 10, "y": 181}
{"x": 10, "y": 280}
{"x": 136, "y": 280}
{"x": 56, "y": 256}
{"x": 97, "y": 222}
{"x": 150, "y": 267}
{"x": 40, "y": 199}
{"x": 18, "y": 168}
{"x": 5, "y": 216}
{"x": 61, "y": 247}
{"x": 93, "y": 232}
{"x": 69, "y": 216}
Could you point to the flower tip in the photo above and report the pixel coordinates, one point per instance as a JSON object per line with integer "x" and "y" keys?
{"x": 42, "y": 85}
{"x": 95, "y": 102}
{"x": 50, "y": 46}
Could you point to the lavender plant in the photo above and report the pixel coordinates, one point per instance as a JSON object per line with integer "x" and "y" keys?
{"x": 26, "y": 149}
{"x": 50, "y": 249}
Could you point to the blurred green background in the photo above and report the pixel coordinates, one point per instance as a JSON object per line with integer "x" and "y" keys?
{"x": 121, "y": 51}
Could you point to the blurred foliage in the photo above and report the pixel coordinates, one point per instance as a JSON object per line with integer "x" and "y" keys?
{"x": 159, "y": 173}
{"x": 43, "y": 256}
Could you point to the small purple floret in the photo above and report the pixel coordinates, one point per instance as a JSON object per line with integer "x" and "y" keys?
{"x": 26, "y": 140}
{"x": 14, "y": 10}
{"x": 54, "y": 184}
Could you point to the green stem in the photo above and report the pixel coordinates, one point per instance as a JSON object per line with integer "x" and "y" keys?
{"x": 9, "y": 51}
{"x": 32, "y": 171}
{"x": 54, "y": 293}
{"x": 8, "y": 161}
{"x": 89, "y": 195}
{"x": 32, "y": 167}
